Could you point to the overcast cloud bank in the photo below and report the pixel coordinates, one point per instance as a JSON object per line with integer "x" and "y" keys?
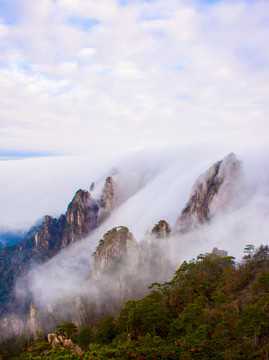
{"x": 78, "y": 76}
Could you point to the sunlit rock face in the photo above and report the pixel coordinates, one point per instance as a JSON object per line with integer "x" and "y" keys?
{"x": 212, "y": 192}
{"x": 81, "y": 217}
{"x": 108, "y": 201}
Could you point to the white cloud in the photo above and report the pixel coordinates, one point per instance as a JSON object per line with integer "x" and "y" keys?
{"x": 157, "y": 72}
{"x": 86, "y": 53}
{"x": 3, "y": 31}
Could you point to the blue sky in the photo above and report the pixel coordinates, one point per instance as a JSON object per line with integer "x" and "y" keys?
{"x": 79, "y": 76}
{"x": 83, "y": 23}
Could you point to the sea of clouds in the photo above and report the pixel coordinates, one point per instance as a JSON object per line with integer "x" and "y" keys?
{"x": 151, "y": 185}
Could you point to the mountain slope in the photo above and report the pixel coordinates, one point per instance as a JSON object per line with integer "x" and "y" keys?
{"x": 45, "y": 241}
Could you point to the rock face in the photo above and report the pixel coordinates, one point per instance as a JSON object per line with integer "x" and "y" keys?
{"x": 211, "y": 193}
{"x": 10, "y": 327}
{"x": 81, "y": 217}
{"x": 48, "y": 236}
{"x": 116, "y": 249}
{"x": 108, "y": 201}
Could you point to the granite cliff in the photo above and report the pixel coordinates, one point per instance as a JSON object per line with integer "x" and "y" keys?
{"x": 108, "y": 201}
{"x": 211, "y": 193}
{"x": 81, "y": 218}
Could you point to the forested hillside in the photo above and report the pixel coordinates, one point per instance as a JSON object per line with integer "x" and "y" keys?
{"x": 213, "y": 308}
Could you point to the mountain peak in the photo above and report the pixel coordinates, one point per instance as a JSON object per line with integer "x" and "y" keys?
{"x": 81, "y": 217}
{"x": 210, "y": 194}
{"x": 108, "y": 201}
{"x": 112, "y": 248}
{"x": 161, "y": 230}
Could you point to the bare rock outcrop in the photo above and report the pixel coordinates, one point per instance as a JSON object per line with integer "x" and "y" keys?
{"x": 81, "y": 217}
{"x": 63, "y": 341}
{"x": 212, "y": 192}
{"x": 108, "y": 201}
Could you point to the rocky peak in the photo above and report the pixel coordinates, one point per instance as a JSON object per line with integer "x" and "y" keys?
{"x": 81, "y": 217}
{"x": 82, "y": 197}
{"x": 108, "y": 200}
{"x": 161, "y": 230}
{"x": 210, "y": 194}
{"x": 116, "y": 248}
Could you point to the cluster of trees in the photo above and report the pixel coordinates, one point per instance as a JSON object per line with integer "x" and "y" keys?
{"x": 211, "y": 309}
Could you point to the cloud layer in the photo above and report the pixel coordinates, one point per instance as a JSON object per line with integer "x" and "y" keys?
{"x": 78, "y": 75}
{"x": 154, "y": 186}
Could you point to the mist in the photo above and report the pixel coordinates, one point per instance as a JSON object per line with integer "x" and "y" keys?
{"x": 150, "y": 185}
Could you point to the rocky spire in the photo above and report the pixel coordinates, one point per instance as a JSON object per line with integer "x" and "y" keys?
{"x": 108, "y": 201}
{"x": 33, "y": 326}
{"x": 81, "y": 217}
{"x": 211, "y": 193}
